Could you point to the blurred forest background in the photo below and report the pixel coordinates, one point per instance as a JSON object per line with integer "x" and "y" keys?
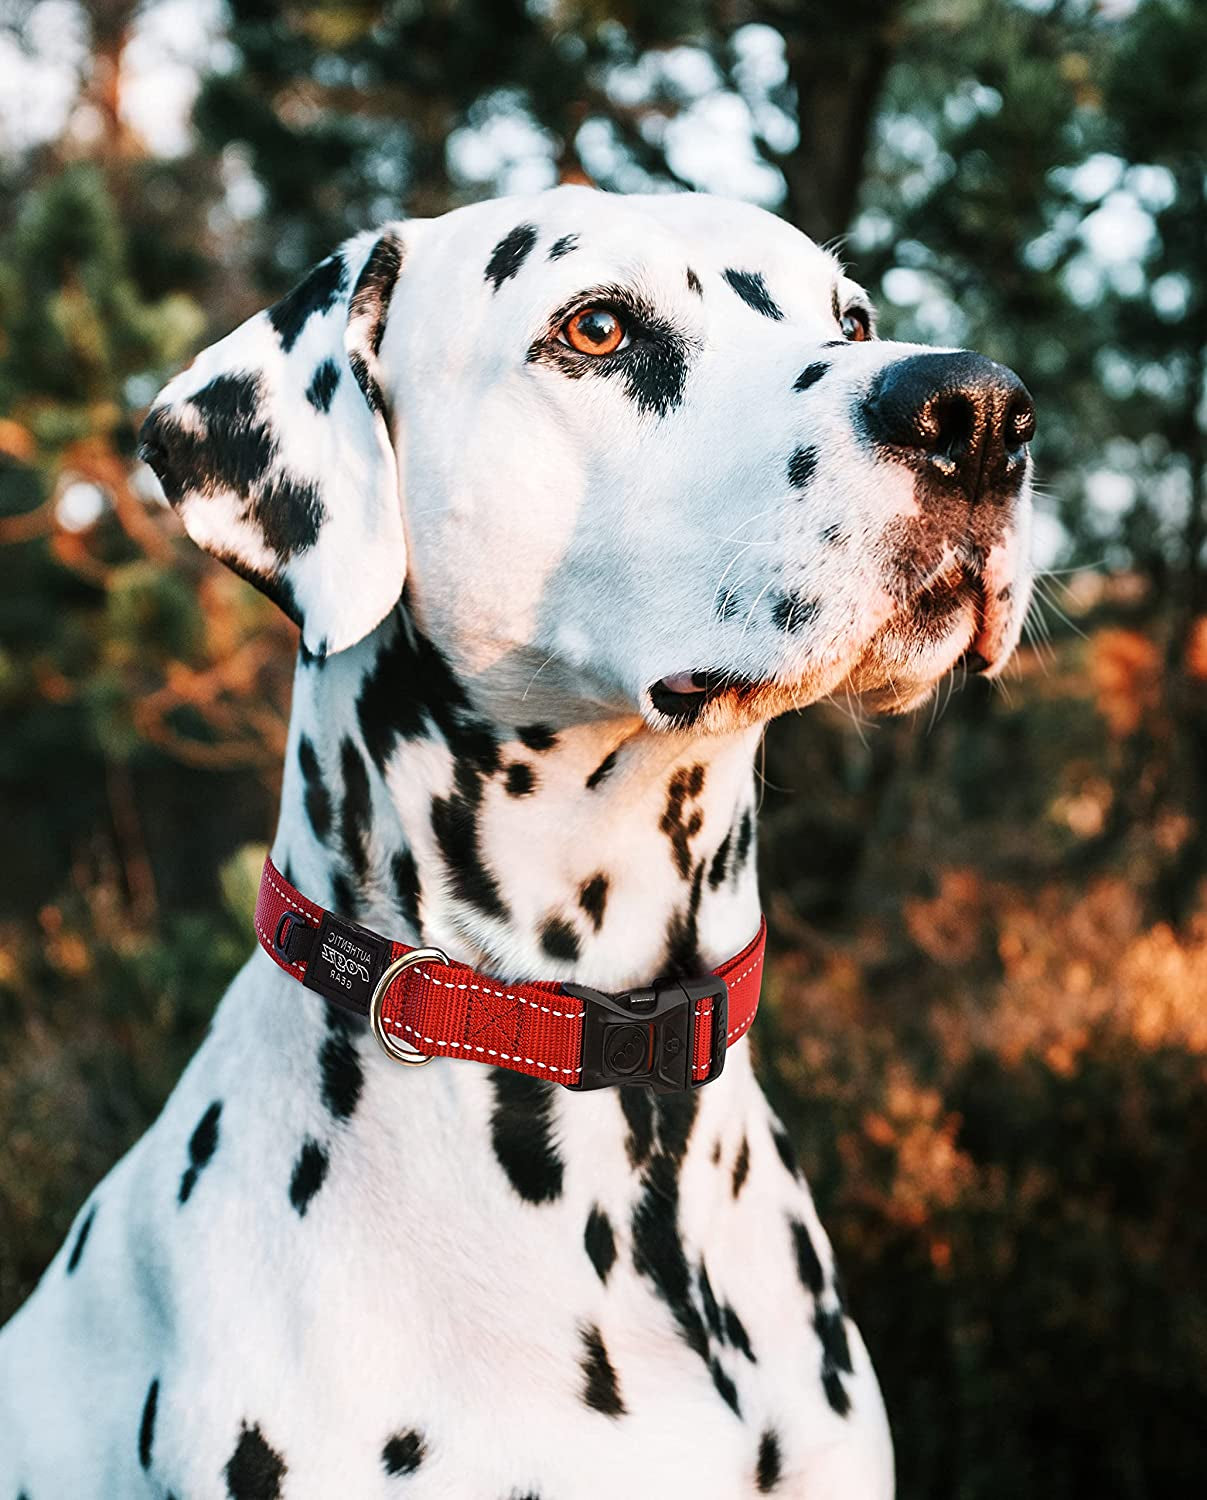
{"x": 988, "y": 1018}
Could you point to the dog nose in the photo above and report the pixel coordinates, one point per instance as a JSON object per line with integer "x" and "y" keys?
{"x": 967, "y": 419}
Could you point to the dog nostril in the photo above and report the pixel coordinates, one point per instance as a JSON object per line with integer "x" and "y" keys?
{"x": 1020, "y": 422}
{"x": 946, "y": 425}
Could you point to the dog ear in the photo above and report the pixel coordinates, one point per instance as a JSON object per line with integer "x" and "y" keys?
{"x": 274, "y": 448}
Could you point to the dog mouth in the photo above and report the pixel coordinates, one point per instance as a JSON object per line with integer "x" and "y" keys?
{"x": 934, "y": 615}
{"x": 952, "y": 622}
{"x": 684, "y": 696}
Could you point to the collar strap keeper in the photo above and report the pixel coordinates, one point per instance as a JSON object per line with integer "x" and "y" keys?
{"x": 671, "y": 1035}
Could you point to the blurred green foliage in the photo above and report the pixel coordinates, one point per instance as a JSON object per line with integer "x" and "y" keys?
{"x": 988, "y": 1025}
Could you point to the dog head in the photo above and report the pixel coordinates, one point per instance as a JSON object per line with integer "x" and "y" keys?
{"x": 627, "y": 453}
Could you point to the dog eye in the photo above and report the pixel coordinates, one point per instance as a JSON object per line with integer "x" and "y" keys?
{"x": 856, "y": 325}
{"x": 594, "y": 330}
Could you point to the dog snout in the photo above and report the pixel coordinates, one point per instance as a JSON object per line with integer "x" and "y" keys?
{"x": 962, "y": 418}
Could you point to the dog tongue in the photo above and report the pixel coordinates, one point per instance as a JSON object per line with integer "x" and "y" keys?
{"x": 685, "y": 682}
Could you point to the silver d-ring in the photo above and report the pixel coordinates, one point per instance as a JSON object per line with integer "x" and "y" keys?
{"x": 401, "y": 1052}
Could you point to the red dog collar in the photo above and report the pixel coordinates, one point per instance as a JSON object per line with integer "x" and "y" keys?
{"x": 672, "y": 1035}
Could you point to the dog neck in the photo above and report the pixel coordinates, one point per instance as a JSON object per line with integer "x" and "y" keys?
{"x": 602, "y": 852}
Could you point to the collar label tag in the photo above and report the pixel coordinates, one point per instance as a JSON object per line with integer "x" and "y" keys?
{"x": 346, "y": 963}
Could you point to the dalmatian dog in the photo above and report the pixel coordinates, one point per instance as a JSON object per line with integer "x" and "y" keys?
{"x": 569, "y": 495}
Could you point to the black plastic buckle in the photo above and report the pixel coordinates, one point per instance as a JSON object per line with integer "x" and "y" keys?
{"x": 649, "y": 1036}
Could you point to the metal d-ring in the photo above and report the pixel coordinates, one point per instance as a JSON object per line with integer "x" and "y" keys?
{"x": 401, "y": 1052}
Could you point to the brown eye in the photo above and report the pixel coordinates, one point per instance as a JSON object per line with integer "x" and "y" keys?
{"x": 855, "y": 325}
{"x": 594, "y": 330}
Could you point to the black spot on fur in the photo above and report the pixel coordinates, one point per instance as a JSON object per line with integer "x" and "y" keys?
{"x": 593, "y": 898}
{"x": 832, "y": 1331}
{"x": 708, "y": 1300}
{"x": 810, "y": 375}
{"x": 601, "y": 1390}
{"x": 683, "y": 934}
{"x": 536, "y": 737}
{"x": 146, "y": 1427}
{"x": 638, "y": 1109}
{"x": 792, "y": 613}
{"x": 362, "y": 371}
{"x": 521, "y": 1128}
{"x": 808, "y": 1264}
{"x": 720, "y": 861}
{"x": 323, "y": 385}
{"x": 405, "y": 875}
{"x": 741, "y": 1167}
{"x": 603, "y": 770}
{"x": 833, "y": 536}
{"x": 726, "y": 1387}
{"x": 745, "y": 839}
{"x": 563, "y": 246}
{"x": 715, "y": 1154}
{"x": 404, "y": 1452}
{"x": 309, "y": 1174}
{"x": 410, "y": 687}
{"x": 510, "y": 254}
{"x": 241, "y": 445}
{"x": 752, "y": 289}
{"x": 374, "y": 290}
{"x": 836, "y": 1392}
{"x": 658, "y": 1252}
{"x": 81, "y": 1239}
{"x": 367, "y": 310}
{"x": 693, "y": 283}
{"x": 675, "y": 1115}
{"x": 559, "y": 939}
{"x": 685, "y": 786}
{"x": 786, "y": 1150}
{"x": 343, "y": 897}
{"x": 600, "y": 1242}
{"x": 340, "y": 1068}
{"x": 202, "y": 1144}
{"x": 356, "y": 815}
{"x": 317, "y": 293}
{"x": 289, "y": 513}
{"x": 236, "y": 450}
{"x": 801, "y": 467}
{"x": 520, "y": 779}
{"x": 315, "y": 795}
{"x": 735, "y": 1333}
{"x": 455, "y": 825}
{"x": 255, "y": 1470}
{"x": 767, "y": 1474}
{"x": 834, "y": 1389}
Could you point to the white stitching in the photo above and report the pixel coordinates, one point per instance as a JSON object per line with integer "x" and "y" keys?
{"x": 284, "y": 897}
{"x": 740, "y": 1028}
{"x": 705, "y": 1006}
{"x": 730, "y": 1036}
{"x": 436, "y": 1041}
{"x": 292, "y": 962}
{"x": 562, "y": 1015}
{"x": 748, "y": 970}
